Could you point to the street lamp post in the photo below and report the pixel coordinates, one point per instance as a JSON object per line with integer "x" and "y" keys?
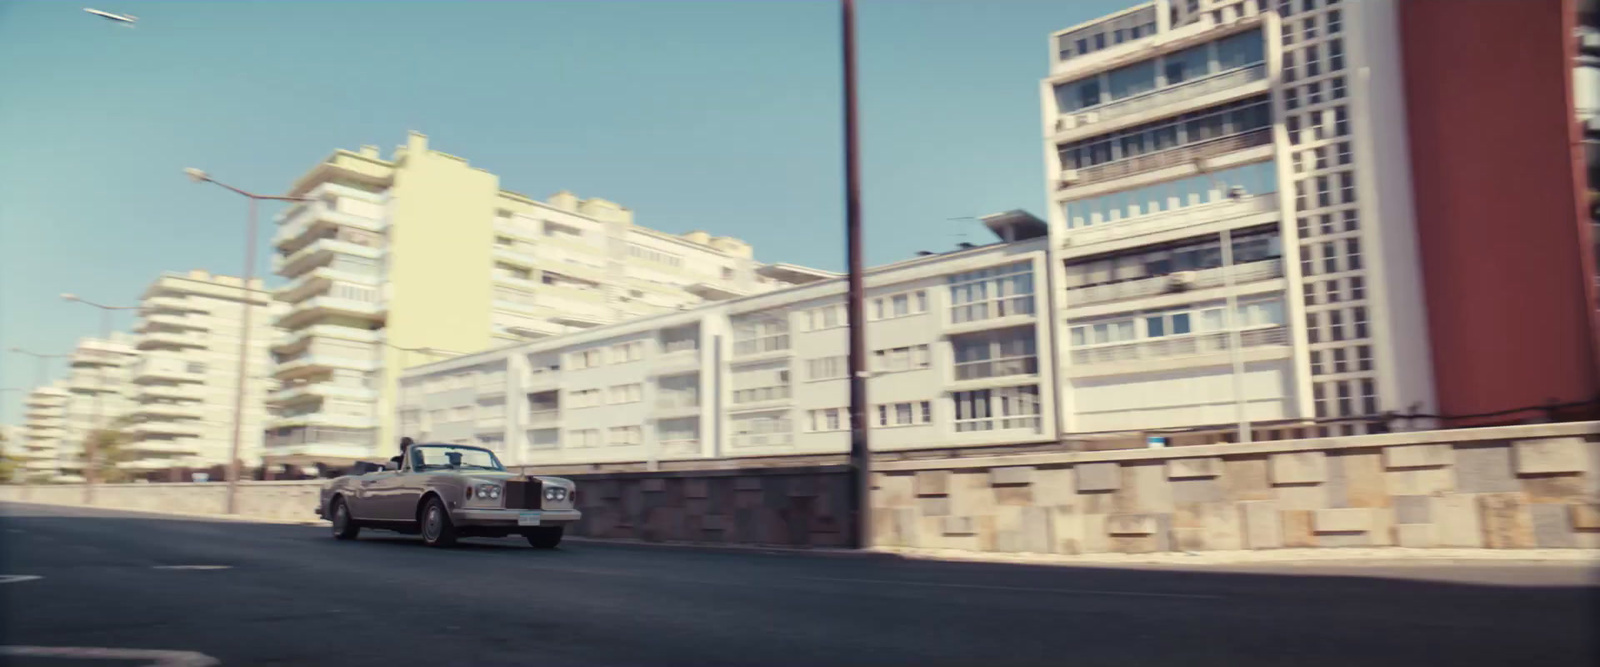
{"x": 860, "y": 452}
{"x": 91, "y": 447}
{"x": 248, "y": 300}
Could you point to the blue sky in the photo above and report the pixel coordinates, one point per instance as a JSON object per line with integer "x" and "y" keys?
{"x": 717, "y": 115}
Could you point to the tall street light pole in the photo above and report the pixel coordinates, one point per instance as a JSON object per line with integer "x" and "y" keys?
{"x": 860, "y": 452}
{"x": 248, "y": 300}
{"x": 91, "y": 446}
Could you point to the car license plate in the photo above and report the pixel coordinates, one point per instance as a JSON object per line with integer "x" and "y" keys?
{"x": 528, "y": 519}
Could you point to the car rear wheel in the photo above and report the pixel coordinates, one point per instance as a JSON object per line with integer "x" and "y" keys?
{"x": 344, "y": 527}
{"x": 546, "y": 537}
{"x": 437, "y": 531}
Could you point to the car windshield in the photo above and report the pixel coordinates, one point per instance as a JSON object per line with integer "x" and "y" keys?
{"x": 441, "y": 457}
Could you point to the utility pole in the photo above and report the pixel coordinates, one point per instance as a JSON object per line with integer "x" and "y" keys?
{"x": 860, "y": 453}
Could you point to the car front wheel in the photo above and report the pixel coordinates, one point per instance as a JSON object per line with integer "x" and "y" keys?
{"x": 437, "y": 531}
{"x": 344, "y": 527}
{"x": 546, "y": 537}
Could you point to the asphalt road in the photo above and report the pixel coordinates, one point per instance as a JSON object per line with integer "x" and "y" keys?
{"x": 291, "y": 595}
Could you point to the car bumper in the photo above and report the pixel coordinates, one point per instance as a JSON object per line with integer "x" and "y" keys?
{"x": 504, "y": 517}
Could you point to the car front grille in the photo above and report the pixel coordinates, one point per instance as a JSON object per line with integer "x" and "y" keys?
{"x": 524, "y": 494}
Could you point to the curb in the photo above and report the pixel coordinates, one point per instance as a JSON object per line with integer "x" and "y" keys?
{"x": 831, "y": 552}
{"x": 168, "y": 513}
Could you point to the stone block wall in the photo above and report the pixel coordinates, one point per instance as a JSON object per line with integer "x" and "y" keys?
{"x": 794, "y": 507}
{"x": 1501, "y": 488}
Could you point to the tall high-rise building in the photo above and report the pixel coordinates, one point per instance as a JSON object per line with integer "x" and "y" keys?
{"x": 412, "y": 258}
{"x": 1255, "y": 220}
{"x": 180, "y": 405}
{"x": 44, "y": 428}
{"x": 100, "y": 393}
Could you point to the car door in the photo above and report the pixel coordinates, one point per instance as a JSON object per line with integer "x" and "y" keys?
{"x": 365, "y": 502}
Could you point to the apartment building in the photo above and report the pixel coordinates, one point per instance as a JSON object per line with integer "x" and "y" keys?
{"x": 43, "y": 432}
{"x": 99, "y": 392}
{"x": 183, "y": 383}
{"x": 1232, "y": 219}
{"x": 956, "y": 341}
{"x": 403, "y": 260}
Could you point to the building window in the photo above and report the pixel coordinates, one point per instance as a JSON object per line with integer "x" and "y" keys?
{"x": 1343, "y": 148}
{"x": 584, "y": 398}
{"x": 996, "y": 354}
{"x": 761, "y": 384}
{"x": 1332, "y": 289}
{"x": 1335, "y": 22}
{"x": 1316, "y": 362}
{"x": 1358, "y": 288}
{"x": 828, "y": 419}
{"x": 624, "y": 435}
{"x": 1292, "y": 124}
{"x": 1311, "y": 295}
{"x": 626, "y": 352}
{"x": 1313, "y": 62}
{"x": 1313, "y": 93}
{"x": 588, "y": 437}
{"x": 905, "y": 414}
{"x": 1015, "y": 407}
{"x": 1326, "y": 221}
{"x": 828, "y": 368}
{"x": 1352, "y": 254}
{"x": 1350, "y": 223}
{"x": 1343, "y": 387}
{"x": 1319, "y": 399}
{"x": 989, "y": 293}
{"x": 1330, "y": 262}
{"x": 1313, "y": 334}
{"x": 1336, "y": 88}
{"x": 585, "y": 359}
{"x": 759, "y": 335}
{"x": 1291, "y": 99}
{"x": 1311, "y": 27}
{"x": 1369, "y": 397}
{"x": 1321, "y": 154}
{"x": 1303, "y": 226}
{"x": 1358, "y": 318}
{"x": 825, "y": 317}
{"x": 1324, "y": 194}
{"x": 900, "y": 305}
{"x": 1341, "y": 122}
{"x": 627, "y": 393}
{"x": 1335, "y": 325}
{"x": 195, "y": 367}
{"x": 907, "y": 358}
{"x": 1339, "y": 364}
{"x": 1335, "y": 55}
{"x": 1363, "y": 358}
{"x": 1307, "y": 261}
{"x": 1288, "y": 67}
{"x": 1224, "y": 120}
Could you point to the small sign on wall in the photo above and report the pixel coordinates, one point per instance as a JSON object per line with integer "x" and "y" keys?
{"x": 1155, "y": 442}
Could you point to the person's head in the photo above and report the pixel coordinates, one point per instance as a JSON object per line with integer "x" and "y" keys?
{"x": 406, "y": 442}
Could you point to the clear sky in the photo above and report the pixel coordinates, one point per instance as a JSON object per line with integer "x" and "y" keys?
{"x": 716, "y": 115}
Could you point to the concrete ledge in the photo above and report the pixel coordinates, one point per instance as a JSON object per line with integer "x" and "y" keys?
{"x": 1550, "y": 455}
{"x": 1418, "y": 456}
{"x": 1209, "y": 466}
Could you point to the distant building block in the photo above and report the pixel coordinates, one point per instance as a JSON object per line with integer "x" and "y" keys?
{"x": 1418, "y": 456}
{"x": 1299, "y": 468}
{"x": 1210, "y": 466}
{"x": 1343, "y": 520}
{"x": 1550, "y": 455}
{"x": 933, "y": 483}
{"x": 1263, "y": 528}
{"x": 1098, "y": 477}
{"x": 1131, "y": 524}
{"x": 1011, "y": 476}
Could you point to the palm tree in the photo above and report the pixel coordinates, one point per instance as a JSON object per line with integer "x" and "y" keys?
{"x": 108, "y": 445}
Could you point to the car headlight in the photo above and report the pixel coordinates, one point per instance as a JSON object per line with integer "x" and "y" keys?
{"x": 488, "y": 491}
{"x": 555, "y": 493}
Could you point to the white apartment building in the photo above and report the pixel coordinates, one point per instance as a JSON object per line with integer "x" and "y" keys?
{"x": 44, "y": 430}
{"x": 1232, "y": 175}
{"x": 403, "y": 260}
{"x": 956, "y": 341}
{"x": 99, "y": 392}
{"x": 184, "y": 381}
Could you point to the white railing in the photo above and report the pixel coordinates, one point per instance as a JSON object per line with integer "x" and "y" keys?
{"x": 680, "y": 446}
{"x": 1169, "y": 95}
{"x": 670, "y": 402}
{"x": 1263, "y": 202}
{"x": 762, "y": 439}
{"x": 491, "y": 423}
{"x": 1181, "y": 156}
{"x": 544, "y": 417}
{"x": 1178, "y": 346}
{"x": 1247, "y": 272}
{"x": 989, "y": 368}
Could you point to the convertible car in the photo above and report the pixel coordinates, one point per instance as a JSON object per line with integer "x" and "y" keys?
{"x": 445, "y": 492}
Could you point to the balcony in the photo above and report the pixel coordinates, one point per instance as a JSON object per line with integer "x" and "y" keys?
{"x": 320, "y": 280}
{"x": 165, "y": 340}
{"x": 298, "y": 340}
{"x": 163, "y": 429}
{"x": 82, "y": 358}
{"x": 1248, "y": 272}
{"x": 492, "y": 387}
{"x": 494, "y": 424}
{"x": 751, "y": 440}
{"x": 315, "y": 216}
{"x": 145, "y": 372}
{"x": 541, "y": 381}
{"x": 671, "y": 406}
{"x": 314, "y": 363}
{"x": 680, "y": 447}
{"x": 672, "y": 363}
{"x": 996, "y": 368}
{"x": 544, "y": 418}
{"x": 170, "y": 304}
{"x": 155, "y": 411}
{"x": 179, "y": 392}
{"x": 161, "y": 448}
{"x": 316, "y": 308}
{"x": 1172, "y": 220}
{"x": 1163, "y": 98}
{"x": 319, "y": 253}
{"x": 1178, "y": 346}
{"x": 319, "y": 390}
{"x": 1177, "y": 157}
{"x": 169, "y": 322}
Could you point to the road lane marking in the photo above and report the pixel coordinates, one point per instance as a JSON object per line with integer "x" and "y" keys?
{"x": 14, "y": 578}
{"x": 1029, "y": 589}
{"x": 157, "y": 658}
{"x": 191, "y": 567}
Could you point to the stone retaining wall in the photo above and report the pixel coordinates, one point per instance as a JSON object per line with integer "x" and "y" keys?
{"x": 1532, "y": 486}
{"x": 1508, "y": 487}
